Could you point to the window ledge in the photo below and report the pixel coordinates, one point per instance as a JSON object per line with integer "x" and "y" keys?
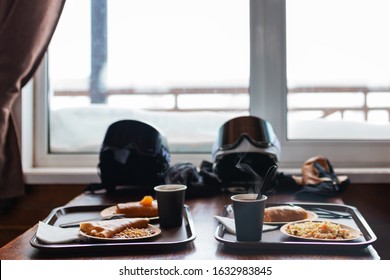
{"x": 86, "y": 175}
{"x": 49, "y": 175}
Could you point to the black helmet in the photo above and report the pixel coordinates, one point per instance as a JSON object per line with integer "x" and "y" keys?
{"x": 133, "y": 153}
{"x": 249, "y": 142}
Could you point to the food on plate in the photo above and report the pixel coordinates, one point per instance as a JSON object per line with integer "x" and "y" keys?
{"x": 109, "y": 228}
{"x": 284, "y": 213}
{"x": 147, "y": 200}
{"x": 318, "y": 230}
{"x": 146, "y": 207}
{"x": 134, "y": 233}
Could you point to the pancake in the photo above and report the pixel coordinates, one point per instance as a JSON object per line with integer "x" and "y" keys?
{"x": 136, "y": 209}
{"x": 109, "y": 228}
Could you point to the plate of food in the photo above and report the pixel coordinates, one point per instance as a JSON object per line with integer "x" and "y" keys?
{"x": 320, "y": 231}
{"x": 280, "y": 215}
{"x": 121, "y": 230}
{"x": 145, "y": 208}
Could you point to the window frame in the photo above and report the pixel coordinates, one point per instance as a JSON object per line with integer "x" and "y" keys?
{"x": 268, "y": 100}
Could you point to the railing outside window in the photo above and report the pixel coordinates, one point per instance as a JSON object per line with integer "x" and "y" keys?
{"x": 361, "y": 100}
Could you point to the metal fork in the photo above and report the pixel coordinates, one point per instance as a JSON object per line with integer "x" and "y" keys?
{"x": 325, "y": 212}
{"x": 76, "y": 224}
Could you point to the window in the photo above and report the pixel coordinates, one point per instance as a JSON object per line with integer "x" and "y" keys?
{"x": 271, "y": 79}
{"x": 175, "y": 64}
{"x": 237, "y": 60}
{"x": 338, "y": 69}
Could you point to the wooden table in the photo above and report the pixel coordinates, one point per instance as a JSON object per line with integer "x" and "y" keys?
{"x": 204, "y": 247}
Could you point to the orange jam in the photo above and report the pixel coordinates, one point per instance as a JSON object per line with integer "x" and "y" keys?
{"x": 146, "y": 201}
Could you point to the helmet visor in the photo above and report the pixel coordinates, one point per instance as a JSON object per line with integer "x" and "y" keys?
{"x": 258, "y": 131}
{"x": 136, "y": 135}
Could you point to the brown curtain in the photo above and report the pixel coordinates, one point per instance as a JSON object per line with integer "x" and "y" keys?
{"x": 26, "y": 27}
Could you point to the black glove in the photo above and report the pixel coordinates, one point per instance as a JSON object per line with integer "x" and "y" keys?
{"x": 202, "y": 183}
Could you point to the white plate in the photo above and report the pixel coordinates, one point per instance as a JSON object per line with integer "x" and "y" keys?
{"x": 354, "y": 233}
{"x": 310, "y": 216}
{"x": 108, "y": 211}
{"x": 155, "y": 229}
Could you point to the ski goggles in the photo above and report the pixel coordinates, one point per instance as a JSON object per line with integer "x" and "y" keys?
{"x": 257, "y": 131}
{"x": 132, "y": 134}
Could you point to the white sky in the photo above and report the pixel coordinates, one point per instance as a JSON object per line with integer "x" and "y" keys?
{"x": 158, "y": 44}
{"x": 155, "y": 43}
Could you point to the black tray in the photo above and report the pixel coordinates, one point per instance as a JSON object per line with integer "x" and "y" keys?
{"x": 275, "y": 240}
{"x": 168, "y": 239}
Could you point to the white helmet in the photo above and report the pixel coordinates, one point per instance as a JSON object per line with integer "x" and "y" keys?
{"x": 247, "y": 139}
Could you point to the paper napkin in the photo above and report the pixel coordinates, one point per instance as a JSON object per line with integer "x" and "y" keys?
{"x": 52, "y": 234}
{"x": 231, "y": 228}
